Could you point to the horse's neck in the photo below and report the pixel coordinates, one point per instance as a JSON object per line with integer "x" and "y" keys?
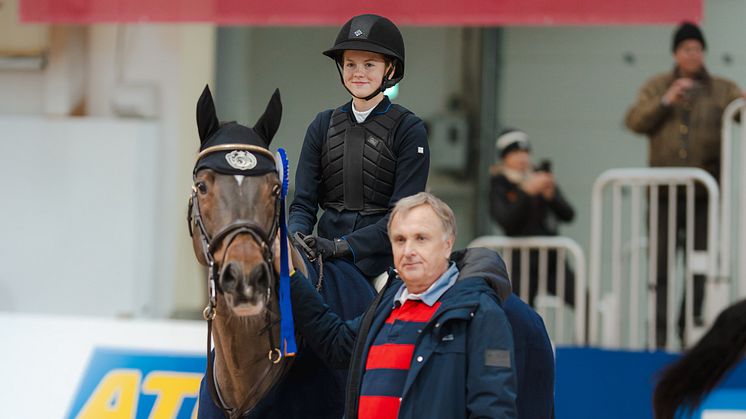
{"x": 243, "y": 370}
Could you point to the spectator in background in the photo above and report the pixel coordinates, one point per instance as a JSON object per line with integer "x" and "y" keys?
{"x": 680, "y": 111}
{"x": 526, "y": 201}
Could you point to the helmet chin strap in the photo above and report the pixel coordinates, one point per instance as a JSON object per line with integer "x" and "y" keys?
{"x": 382, "y": 88}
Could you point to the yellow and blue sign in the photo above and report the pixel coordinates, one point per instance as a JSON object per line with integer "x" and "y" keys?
{"x": 121, "y": 384}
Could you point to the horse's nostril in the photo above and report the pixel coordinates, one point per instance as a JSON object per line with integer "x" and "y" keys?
{"x": 260, "y": 276}
{"x": 230, "y": 276}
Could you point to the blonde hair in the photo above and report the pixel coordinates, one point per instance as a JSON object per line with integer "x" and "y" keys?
{"x": 440, "y": 208}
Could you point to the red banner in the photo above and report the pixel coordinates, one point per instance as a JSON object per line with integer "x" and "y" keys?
{"x": 334, "y": 12}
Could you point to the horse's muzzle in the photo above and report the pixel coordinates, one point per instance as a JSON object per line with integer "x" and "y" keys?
{"x": 245, "y": 288}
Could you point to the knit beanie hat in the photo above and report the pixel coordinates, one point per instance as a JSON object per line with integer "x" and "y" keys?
{"x": 687, "y": 30}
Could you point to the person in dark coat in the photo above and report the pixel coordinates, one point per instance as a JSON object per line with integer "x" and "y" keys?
{"x": 534, "y": 355}
{"x": 436, "y": 342}
{"x": 680, "y": 111}
{"x": 526, "y": 201}
{"x": 359, "y": 159}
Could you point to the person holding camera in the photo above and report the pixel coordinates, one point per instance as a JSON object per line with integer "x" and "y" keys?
{"x": 680, "y": 112}
{"x": 526, "y": 201}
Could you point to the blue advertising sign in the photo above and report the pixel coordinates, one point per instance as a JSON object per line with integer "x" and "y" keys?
{"x": 139, "y": 385}
{"x": 596, "y": 383}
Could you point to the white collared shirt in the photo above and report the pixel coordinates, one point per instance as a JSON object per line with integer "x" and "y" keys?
{"x": 361, "y": 116}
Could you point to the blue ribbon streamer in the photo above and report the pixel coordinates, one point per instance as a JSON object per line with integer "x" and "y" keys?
{"x": 287, "y": 326}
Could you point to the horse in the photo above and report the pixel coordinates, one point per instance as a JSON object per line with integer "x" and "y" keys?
{"x": 233, "y": 221}
{"x": 234, "y": 216}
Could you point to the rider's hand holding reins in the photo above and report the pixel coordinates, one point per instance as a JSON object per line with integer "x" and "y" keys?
{"x": 315, "y": 246}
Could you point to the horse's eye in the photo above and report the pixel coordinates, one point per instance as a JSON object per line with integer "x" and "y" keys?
{"x": 202, "y": 187}
{"x": 276, "y": 190}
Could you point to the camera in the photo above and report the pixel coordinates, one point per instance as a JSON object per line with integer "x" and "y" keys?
{"x": 545, "y": 166}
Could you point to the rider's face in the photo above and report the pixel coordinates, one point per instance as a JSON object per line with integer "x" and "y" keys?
{"x": 363, "y": 71}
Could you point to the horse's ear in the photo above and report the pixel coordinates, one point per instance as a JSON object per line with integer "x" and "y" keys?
{"x": 269, "y": 122}
{"x": 207, "y": 118}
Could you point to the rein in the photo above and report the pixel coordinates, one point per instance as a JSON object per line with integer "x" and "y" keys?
{"x": 210, "y": 244}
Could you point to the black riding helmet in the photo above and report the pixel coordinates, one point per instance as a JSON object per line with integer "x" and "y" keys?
{"x": 375, "y": 34}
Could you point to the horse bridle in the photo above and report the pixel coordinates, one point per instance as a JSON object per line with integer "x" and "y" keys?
{"x": 227, "y": 234}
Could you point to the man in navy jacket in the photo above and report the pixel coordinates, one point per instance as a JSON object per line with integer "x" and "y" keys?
{"x": 436, "y": 343}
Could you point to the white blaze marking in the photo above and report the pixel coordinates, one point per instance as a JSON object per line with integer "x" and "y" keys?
{"x": 239, "y": 179}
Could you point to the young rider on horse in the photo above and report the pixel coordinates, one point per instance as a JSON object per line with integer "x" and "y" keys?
{"x": 359, "y": 159}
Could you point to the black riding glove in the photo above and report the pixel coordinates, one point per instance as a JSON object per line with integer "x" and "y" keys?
{"x": 321, "y": 246}
{"x": 315, "y": 246}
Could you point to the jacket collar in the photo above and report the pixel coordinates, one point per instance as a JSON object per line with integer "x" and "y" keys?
{"x": 434, "y": 292}
{"x": 703, "y": 75}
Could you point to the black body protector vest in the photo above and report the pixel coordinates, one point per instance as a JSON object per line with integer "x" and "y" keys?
{"x": 357, "y": 165}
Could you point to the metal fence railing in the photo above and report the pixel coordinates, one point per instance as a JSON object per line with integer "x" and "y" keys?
{"x": 634, "y": 251}
{"x": 545, "y": 303}
{"x": 732, "y": 182}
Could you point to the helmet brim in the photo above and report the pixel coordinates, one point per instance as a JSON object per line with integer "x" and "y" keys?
{"x": 338, "y": 49}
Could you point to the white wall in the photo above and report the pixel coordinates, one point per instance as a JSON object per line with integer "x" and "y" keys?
{"x": 78, "y": 223}
{"x": 161, "y": 69}
{"x": 129, "y": 74}
{"x": 56, "y": 89}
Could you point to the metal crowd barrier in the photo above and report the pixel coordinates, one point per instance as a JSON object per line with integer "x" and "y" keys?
{"x": 737, "y": 107}
{"x": 609, "y": 305}
{"x": 563, "y": 246}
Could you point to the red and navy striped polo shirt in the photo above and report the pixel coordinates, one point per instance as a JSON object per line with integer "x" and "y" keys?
{"x": 389, "y": 358}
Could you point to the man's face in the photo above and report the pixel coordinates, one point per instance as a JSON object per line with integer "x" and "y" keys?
{"x": 689, "y": 57}
{"x": 421, "y": 248}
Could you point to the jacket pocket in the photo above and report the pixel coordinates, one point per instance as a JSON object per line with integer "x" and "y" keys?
{"x": 450, "y": 342}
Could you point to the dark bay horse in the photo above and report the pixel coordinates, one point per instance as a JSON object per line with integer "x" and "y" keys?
{"x": 233, "y": 220}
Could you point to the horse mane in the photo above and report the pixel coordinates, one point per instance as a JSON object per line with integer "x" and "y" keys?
{"x": 685, "y": 383}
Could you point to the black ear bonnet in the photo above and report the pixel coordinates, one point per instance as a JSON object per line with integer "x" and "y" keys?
{"x": 235, "y": 161}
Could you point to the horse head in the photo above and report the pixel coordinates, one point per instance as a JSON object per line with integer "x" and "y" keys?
{"x": 234, "y": 207}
